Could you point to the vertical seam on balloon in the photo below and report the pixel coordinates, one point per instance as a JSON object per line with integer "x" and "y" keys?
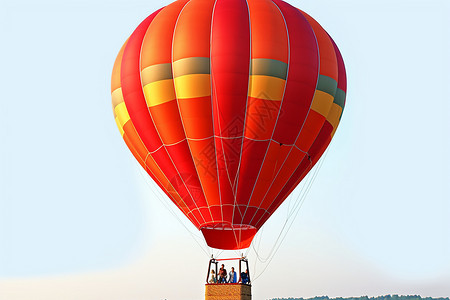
{"x": 179, "y": 112}
{"x": 167, "y": 192}
{"x": 156, "y": 129}
{"x": 228, "y": 176}
{"x": 147, "y": 167}
{"x": 334, "y": 49}
{"x": 220, "y": 129}
{"x": 309, "y": 167}
{"x": 138, "y": 67}
{"x": 211, "y": 79}
{"x": 220, "y": 137}
{"x": 340, "y": 61}
{"x": 279, "y": 111}
{"x": 307, "y": 152}
{"x": 245, "y": 116}
{"x": 236, "y": 180}
{"x": 298, "y": 135}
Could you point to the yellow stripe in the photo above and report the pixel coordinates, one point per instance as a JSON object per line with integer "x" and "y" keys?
{"x": 334, "y": 114}
{"x": 117, "y": 97}
{"x": 122, "y": 114}
{"x": 322, "y": 103}
{"x": 333, "y": 132}
{"x": 193, "y": 86}
{"x": 119, "y": 126}
{"x": 159, "y": 92}
{"x": 266, "y": 87}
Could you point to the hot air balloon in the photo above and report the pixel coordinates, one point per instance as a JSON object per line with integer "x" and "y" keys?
{"x": 227, "y": 105}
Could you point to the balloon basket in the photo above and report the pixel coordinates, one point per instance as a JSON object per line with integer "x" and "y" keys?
{"x": 241, "y": 290}
{"x": 228, "y": 291}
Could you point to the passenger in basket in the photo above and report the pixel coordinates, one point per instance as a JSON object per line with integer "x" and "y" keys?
{"x": 223, "y": 274}
{"x": 232, "y": 277}
{"x": 244, "y": 277}
{"x": 213, "y": 277}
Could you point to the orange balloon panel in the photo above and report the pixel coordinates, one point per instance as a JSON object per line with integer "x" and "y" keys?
{"x": 228, "y": 104}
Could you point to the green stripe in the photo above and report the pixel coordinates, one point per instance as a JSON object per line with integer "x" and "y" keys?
{"x": 339, "y": 99}
{"x": 269, "y": 67}
{"x": 327, "y": 85}
{"x": 191, "y": 65}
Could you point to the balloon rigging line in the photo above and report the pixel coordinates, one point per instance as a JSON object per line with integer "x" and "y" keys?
{"x": 292, "y": 211}
{"x": 179, "y": 110}
{"x": 211, "y": 83}
{"x": 260, "y": 233}
{"x": 301, "y": 192}
{"x": 299, "y": 204}
{"x": 235, "y": 204}
{"x": 215, "y": 104}
{"x": 244, "y": 125}
{"x": 274, "y": 250}
{"x": 170, "y": 157}
{"x": 218, "y": 253}
{"x": 296, "y": 213}
{"x": 258, "y": 247}
{"x": 278, "y": 114}
{"x": 159, "y": 191}
{"x": 161, "y": 199}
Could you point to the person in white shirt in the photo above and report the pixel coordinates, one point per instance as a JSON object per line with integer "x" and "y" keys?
{"x": 232, "y": 276}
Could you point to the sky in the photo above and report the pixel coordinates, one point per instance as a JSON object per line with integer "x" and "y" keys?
{"x": 79, "y": 219}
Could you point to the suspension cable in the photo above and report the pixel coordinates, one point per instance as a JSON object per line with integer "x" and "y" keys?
{"x": 298, "y": 203}
{"x": 161, "y": 199}
{"x": 293, "y": 208}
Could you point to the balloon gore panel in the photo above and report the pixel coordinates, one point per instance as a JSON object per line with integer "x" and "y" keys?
{"x": 227, "y": 105}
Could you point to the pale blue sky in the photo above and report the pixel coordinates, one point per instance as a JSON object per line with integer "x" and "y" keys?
{"x": 78, "y": 219}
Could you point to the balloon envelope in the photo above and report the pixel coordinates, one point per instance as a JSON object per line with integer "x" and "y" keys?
{"x": 227, "y": 104}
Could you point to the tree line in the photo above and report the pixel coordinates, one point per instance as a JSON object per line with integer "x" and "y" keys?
{"x": 385, "y": 297}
